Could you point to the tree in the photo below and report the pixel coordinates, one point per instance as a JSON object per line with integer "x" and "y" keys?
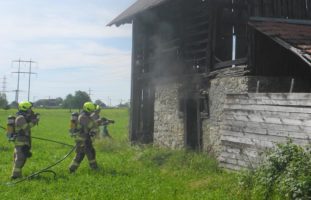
{"x": 124, "y": 105}
{"x": 14, "y": 104}
{"x": 3, "y": 101}
{"x": 80, "y": 98}
{"x": 68, "y": 102}
{"x": 100, "y": 103}
{"x": 49, "y": 102}
{"x": 76, "y": 101}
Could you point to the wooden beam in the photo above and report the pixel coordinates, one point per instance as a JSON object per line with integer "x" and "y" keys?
{"x": 282, "y": 20}
{"x": 230, "y": 63}
{"x": 134, "y": 106}
{"x": 305, "y": 58}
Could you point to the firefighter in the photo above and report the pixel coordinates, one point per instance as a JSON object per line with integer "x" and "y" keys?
{"x": 24, "y": 121}
{"x": 86, "y": 128}
{"x": 102, "y": 122}
{"x": 96, "y": 114}
{"x": 96, "y": 117}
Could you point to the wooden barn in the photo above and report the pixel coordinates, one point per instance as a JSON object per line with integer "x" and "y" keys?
{"x": 227, "y": 77}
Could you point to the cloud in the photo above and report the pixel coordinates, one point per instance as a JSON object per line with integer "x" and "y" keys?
{"x": 71, "y": 43}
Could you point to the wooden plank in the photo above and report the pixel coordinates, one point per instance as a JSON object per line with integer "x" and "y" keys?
{"x": 271, "y": 96}
{"x": 275, "y": 102}
{"x": 134, "y": 72}
{"x": 264, "y": 131}
{"x": 199, "y": 51}
{"x": 269, "y": 108}
{"x": 237, "y": 162}
{"x": 282, "y": 20}
{"x": 267, "y": 119}
{"x": 249, "y": 152}
{"x": 230, "y": 63}
{"x": 197, "y": 42}
{"x": 297, "y": 9}
{"x": 248, "y": 141}
{"x": 268, "y": 8}
{"x": 254, "y": 139}
{"x": 290, "y": 8}
{"x": 275, "y": 96}
{"x": 283, "y": 115}
{"x": 284, "y": 8}
{"x": 277, "y": 11}
{"x": 211, "y": 38}
{"x": 268, "y": 126}
{"x": 197, "y": 33}
{"x": 239, "y": 156}
{"x": 197, "y": 25}
{"x": 239, "y": 159}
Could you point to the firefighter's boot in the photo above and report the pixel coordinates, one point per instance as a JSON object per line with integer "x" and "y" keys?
{"x": 17, "y": 173}
{"x": 93, "y": 165}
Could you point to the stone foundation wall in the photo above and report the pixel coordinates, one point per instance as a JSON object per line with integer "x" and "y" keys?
{"x": 219, "y": 87}
{"x": 168, "y": 122}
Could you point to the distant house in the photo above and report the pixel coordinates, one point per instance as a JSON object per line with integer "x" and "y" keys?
{"x": 205, "y": 74}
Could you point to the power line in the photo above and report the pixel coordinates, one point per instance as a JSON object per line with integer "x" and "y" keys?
{"x": 90, "y": 92}
{"x": 29, "y": 72}
{"x": 109, "y": 101}
{"x": 4, "y": 85}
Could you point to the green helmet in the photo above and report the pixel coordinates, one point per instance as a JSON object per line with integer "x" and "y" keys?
{"x": 89, "y": 107}
{"x": 24, "y": 105}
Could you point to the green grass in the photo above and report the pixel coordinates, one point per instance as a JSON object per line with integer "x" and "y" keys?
{"x": 127, "y": 172}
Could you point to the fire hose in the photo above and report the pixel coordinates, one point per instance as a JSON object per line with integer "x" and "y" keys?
{"x": 48, "y": 168}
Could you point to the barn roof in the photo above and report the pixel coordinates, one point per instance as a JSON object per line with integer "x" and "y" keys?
{"x": 138, "y": 7}
{"x": 294, "y": 35}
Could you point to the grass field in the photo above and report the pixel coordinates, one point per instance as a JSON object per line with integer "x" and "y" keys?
{"x": 126, "y": 172}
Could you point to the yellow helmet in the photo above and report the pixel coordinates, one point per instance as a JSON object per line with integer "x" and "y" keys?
{"x": 24, "y": 105}
{"x": 89, "y": 107}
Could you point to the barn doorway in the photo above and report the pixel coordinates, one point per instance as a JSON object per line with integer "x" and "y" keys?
{"x": 193, "y": 125}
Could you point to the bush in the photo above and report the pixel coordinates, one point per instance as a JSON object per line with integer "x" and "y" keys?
{"x": 286, "y": 174}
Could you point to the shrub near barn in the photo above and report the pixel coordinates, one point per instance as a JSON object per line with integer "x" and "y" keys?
{"x": 286, "y": 174}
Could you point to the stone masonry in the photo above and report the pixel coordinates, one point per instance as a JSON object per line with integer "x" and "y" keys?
{"x": 168, "y": 123}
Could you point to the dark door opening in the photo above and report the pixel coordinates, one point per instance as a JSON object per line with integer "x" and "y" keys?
{"x": 193, "y": 125}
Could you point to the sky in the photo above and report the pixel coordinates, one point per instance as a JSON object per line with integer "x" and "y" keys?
{"x": 71, "y": 45}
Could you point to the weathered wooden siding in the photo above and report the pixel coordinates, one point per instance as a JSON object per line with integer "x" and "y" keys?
{"x": 293, "y": 9}
{"x": 254, "y": 122}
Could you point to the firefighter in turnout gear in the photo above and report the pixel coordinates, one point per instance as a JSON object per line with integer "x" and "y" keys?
{"x": 102, "y": 123}
{"x": 25, "y": 119}
{"x": 96, "y": 117}
{"x": 86, "y": 128}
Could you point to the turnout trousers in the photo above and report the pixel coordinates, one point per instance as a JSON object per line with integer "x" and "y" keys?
{"x": 84, "y": 147}
{"x": 21, "y": 153}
